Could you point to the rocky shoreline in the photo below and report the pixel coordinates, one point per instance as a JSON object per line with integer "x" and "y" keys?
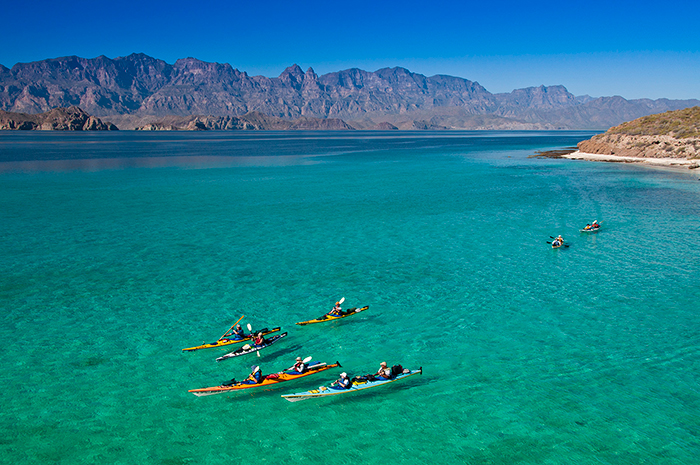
{"x": 58, "y": 119}
{"x": 670, "y": 140}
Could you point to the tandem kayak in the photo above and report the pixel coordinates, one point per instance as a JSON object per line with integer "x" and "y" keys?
{"x": 269, "y": 380}
{"x": 357, "y": 385}
{"x": 590, "y": 230}
{"x": 249, "y": 349}
{"x": 344, "y": 314}
{"x": 228, "y": 341}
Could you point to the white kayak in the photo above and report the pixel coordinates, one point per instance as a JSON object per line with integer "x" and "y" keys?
{"x": 357, "y": 385}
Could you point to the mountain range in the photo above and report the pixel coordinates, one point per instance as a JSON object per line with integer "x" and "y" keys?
{"x": 137, "y": 90}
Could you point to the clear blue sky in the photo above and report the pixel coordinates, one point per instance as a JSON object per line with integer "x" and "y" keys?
{"x": 633, "y": 49}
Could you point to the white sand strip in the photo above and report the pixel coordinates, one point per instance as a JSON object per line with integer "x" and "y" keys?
{"x": 666, "y": 162}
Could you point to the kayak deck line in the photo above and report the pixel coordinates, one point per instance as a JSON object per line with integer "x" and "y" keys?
{"x": 356, "y": 386}
{"x": 228, "y": 341}
{"x": 324, "y": 318}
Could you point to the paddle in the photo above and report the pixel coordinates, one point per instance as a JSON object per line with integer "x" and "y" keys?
{"x": 306, "y": 360}
{"x": 252, "y": 336}
{"x": 234, "y": 325}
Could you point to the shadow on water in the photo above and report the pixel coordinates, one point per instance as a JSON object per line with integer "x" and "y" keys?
{"x": 278, "y": 353}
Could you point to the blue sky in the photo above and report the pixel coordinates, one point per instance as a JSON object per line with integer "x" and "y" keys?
{"x": 633, "y": 49}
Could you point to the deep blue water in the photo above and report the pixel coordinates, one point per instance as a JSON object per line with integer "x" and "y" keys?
{"x": 120, "y": 249}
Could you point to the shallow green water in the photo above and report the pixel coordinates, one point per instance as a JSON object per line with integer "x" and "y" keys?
{"x": 119, "y": 250}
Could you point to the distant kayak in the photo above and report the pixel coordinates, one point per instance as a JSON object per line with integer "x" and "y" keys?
{"x": 249, "y": 349}
{"x": 228, "y": 341}
{"x": 357, "y": 385}
{"x": 343, "y": 314}
{"x": 590, "y": 230}
{"x": 269, "y": 380}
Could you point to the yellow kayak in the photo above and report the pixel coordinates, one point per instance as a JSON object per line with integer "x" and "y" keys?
{"x": 228, "y": 341}
{"x": 343, "y": 314}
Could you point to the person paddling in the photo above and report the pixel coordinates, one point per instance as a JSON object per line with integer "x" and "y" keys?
{"x": 258, "y": 339}
{"x": 299, "y": 366}
{"x": 343, "y": 382}
{"x": 383, "y": 372}
{"x": 336, "y": 311}
{"x": 558, "y": 241}
{"x": 238, "y": 332}
{"x": 595, "y": 224}
{"x": 255, "y": 376}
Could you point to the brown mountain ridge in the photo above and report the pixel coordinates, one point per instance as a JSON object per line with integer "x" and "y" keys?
{"x": 138, "y": 90}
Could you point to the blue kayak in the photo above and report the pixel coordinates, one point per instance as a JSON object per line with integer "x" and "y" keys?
{"x": 357, "y": 385}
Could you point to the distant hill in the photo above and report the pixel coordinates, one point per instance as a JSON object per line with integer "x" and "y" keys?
{"x": 673, "y": 134}
{"x": 58, "y": 119}
{"x": 137, "y": 90}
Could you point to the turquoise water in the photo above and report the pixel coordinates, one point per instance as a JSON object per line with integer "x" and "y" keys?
{"x": 118, "y": 250}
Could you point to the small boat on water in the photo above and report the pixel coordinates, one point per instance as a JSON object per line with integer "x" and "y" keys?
{"x": 271, "y": 380}
{"x": 593, "y": 227}
{"x": 249, "y": 349}
{"x": 225, "y": 341}
{"x": 356, "y": 385}
{"x": 343, "y": 314}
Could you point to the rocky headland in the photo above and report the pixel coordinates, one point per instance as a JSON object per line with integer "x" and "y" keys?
{"x": 58, "y": 119}
{"x": 666, "y": 139}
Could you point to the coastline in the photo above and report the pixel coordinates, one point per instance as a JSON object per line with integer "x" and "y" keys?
{"x": 668, "y": 162}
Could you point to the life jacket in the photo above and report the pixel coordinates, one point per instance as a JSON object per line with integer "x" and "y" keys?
{"x": 257, "y": 377}
{"x": 299, "y": 367}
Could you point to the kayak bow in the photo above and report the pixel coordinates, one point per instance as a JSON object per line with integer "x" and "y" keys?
{"x": 324, "y": 318}
{"x": 228, "y": 341}
{"x": 269, "y": 380}
{"x": 249, "y": 349}
{"x": 356, "y": 386}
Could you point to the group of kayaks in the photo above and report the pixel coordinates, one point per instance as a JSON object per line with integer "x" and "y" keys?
{"x": 309, "y": 367}
{"x": 558, "y": 241}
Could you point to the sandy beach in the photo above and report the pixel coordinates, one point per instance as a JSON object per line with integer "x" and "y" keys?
{"x": 677, "y": 163}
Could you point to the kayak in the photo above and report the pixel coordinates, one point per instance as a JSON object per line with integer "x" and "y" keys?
{"x": 556, "y": 246}
{"x": 224, "y": 341}
{"x": 343, "y": 314}
{"x": 357, "y": 385}
{"x": 249, "y": 349}
{"x": 269, "y": 380}
{"x": 590, "y": 230}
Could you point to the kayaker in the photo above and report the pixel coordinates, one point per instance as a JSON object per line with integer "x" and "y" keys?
{"x": 558, "y": 241}
{"x": 258, "y": 339}
{"x": 383, "y": 372}
{"x": 588, "y": 226}
{"x": 343, "y": 382}
{"x": 595, "y": 224}
{"x": 238, "y": 332}
{"x": 255, "y": 376}
{"x": 299, "y": 366}
{"x": 336, "y": 311}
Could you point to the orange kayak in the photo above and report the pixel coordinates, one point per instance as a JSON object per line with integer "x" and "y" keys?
{"x": 269, "y": 380}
